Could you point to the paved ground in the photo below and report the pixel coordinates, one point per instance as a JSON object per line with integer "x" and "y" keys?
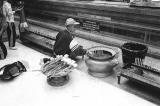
{"x": 31, "y": 88}
{"x": 146, "y": 92}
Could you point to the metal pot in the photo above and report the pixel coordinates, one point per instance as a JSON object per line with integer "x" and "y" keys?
{"x": 101, "y": 61}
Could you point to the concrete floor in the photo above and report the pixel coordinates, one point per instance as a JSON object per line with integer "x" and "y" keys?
{"x": 145, "y": 92}
{"x": 31, "y": 88}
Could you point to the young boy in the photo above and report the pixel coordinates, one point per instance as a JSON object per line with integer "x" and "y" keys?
{"x": 11, "y": 29}
{"x": 65, "y": 42}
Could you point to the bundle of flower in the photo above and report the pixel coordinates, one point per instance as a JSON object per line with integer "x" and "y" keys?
{"x": 59, "y": 66}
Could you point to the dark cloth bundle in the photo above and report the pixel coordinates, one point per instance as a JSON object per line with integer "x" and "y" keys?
{"x": 11, "y": 71}
{"x": 3, "y": 50}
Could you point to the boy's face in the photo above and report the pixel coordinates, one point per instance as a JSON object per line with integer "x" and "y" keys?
{"x": 71, "y": 28}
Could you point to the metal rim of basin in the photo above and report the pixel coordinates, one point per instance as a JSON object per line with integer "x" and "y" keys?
{"x": 108, "y": 49}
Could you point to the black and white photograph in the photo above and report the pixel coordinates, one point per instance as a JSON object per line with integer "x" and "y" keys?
{"x": 80, "y": 52}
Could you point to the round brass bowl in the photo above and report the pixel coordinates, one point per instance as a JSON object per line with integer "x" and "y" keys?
{"x": 100, "y": 61}
{"x": 101, "y": 53}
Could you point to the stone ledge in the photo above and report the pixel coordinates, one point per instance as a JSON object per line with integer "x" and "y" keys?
{"x": 99, "y": 38}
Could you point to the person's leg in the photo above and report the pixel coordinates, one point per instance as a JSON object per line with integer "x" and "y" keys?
{"x": 1, "y": 33}
{"x": 14, "y": 34}
{"x": 3, "y": 29}
{"x": 9, "y": 34}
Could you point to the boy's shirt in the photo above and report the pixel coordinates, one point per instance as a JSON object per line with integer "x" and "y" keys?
{"x": 61, "y": 46}
{"x": 7, "y": 12}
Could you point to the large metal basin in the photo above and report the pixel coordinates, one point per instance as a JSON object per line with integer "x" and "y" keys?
{"x": 100, "y": 61}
